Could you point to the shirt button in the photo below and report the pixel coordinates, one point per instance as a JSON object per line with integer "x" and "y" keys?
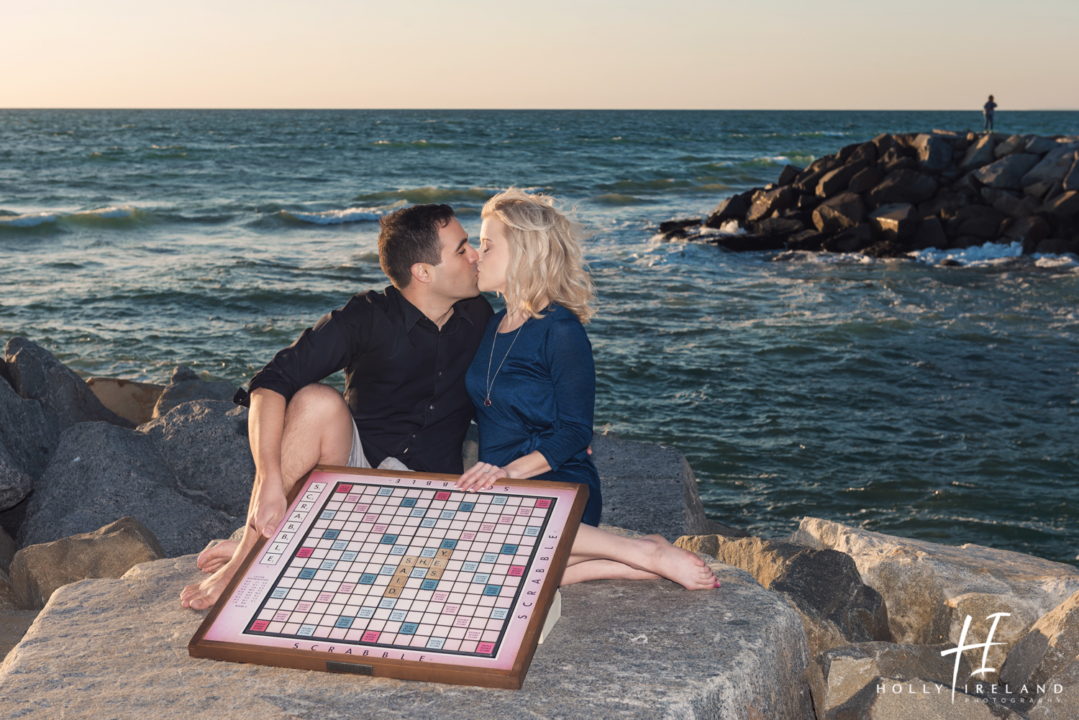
{"x": 440, "y": 374}
{"x": 430, "y": 407}
{"x": 406, "y": 450}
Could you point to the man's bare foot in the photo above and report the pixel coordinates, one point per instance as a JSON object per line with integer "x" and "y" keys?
{"x": 204, "y": 594}
{"x": 214, "y": 558}
{"x": 674, "y": 563}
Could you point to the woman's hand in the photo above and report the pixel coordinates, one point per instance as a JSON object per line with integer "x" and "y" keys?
{"x": 481, "y": 476}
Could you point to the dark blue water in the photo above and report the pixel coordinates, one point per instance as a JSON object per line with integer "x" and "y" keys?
{"x": 926, "y": 401}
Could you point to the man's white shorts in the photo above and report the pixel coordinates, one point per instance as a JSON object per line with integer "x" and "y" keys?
{"x": 358, "y": 460}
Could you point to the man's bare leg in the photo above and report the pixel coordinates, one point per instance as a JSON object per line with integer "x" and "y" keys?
{"x": 598, "y": 554}
{"x": 317, "y": 431}
{"x": 214, "y": 557}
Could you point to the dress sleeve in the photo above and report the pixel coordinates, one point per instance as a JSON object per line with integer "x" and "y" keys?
{"x": 573, "y": 373}
{"x": 320, "y": 351}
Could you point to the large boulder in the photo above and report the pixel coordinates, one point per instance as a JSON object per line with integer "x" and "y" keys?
{"x": 1061, "y": 697}
{"x": 7, "y": 550}
{"x": 930, "y": 589}
{"x": 1007, "y": 172}
{"x": 839, "y": 213}
{"x": 902, "y": 186}
{"x": 39, "y": 570}
{"x": 1071, "y": 179}
{"x": 627, "y": 649}
{"x": 26, "y": 434}
{"x": 100, "y": 473}
{"x": 809, "y": 178}
{"x": 824, "y": 586}
{"x": 894, "y": 222}
{"x": 1062, "y": 206}
{"x": 975, "y": 221}
{"x": 978, "y": 154}
{"x": 1015, "y": 143}
{"x": 1052, "y": 168}
{"x": 837, "y": 180}
{"x": 732, "y": 208}
{"x": 767, "y": 202}
{"x": 63, "y": 395}
{"x": 934, "y": 152}
{"x": 205, "y": 443}
{"x": 1038, "y": 145}
{"x": 1029, "y": 230}
{"x": 886, "y": 698}
{"x": 930, "y": 234}
{"x": 15, "y": 483}
{"x": 1051, "y": 644}
{"x": 864, "y": 180}
{"x": 837, "y": 674}
{"x": 186, "y": 386}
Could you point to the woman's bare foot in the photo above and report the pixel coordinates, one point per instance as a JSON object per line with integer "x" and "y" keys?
{"x": 683, "y": 567}
{"x": 214, "y": 558}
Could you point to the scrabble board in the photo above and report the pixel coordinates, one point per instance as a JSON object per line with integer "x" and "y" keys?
{"x": 400, "y": 575}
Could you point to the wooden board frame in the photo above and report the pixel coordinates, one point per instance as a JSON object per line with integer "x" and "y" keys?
{"x": 304, "y": 659}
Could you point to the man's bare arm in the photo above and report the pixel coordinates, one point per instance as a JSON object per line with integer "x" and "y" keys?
{"x": 265, "y": 428}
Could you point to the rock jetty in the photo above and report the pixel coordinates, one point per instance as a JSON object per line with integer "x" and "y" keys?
{"x": 905, "y": 192}
{"x": 99, "y": 523}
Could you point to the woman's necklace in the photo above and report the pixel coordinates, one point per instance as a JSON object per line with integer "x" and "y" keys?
{"x": 490, "y": 380}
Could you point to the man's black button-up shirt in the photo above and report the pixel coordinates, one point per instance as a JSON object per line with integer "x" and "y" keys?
{"x": 404, "y": 378}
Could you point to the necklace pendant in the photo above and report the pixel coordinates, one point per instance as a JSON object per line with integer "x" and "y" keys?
{"x": 487, "y": 402}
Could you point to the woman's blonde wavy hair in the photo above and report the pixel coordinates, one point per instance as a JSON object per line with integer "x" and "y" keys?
{"x": 546, "y": 260}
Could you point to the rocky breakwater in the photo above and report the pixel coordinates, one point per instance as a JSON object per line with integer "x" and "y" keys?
{"x": 900, "y": 193}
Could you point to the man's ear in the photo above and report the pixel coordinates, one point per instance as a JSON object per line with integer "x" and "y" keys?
{"x": 421, "y": 272}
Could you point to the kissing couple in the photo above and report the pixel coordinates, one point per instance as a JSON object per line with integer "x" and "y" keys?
{"x": 428, "y": 353}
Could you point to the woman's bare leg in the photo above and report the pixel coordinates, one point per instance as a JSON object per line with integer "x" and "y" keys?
{"x": 598, "y": 554}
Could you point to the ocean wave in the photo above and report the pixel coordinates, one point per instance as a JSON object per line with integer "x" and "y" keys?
{"x": 424, "y": 195}
{"x": 978, "y": 256}
{"x": 108, "y": 217}
{"x": 412, "y": 144}
{"x": 618, "y": 199}
{"x": 28, "y": 220}
{"x": 336, "y": 217}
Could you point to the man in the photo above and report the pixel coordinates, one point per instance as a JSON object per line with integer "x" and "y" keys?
{"x": 404, "y": 352}
{"x": 989, "y": 108}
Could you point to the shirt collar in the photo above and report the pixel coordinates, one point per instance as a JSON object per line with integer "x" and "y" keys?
{"x": 412, "y": 314}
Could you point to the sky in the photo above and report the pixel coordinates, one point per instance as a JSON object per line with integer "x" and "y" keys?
{"x": 627, "y": 54}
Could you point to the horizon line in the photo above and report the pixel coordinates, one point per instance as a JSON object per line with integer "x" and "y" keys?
{"x": 563, "y": 109}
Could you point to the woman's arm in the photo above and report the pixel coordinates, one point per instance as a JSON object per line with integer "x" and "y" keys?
{"x": 482, "y": 476}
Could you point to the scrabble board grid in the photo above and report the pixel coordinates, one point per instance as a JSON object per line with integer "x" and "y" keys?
{"x": 400, "y": 575}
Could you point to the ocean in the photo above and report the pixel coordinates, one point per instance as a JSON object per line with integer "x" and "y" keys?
{"x": 900, "y": 396}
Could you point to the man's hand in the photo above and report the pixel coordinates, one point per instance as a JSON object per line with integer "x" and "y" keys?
{"x": 267, "y": 509}
{"x": 481, "y": 476}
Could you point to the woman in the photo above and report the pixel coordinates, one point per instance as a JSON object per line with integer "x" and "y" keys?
{"x": 534, "y": 384}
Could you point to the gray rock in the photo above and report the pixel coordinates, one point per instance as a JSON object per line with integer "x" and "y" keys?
{"x": 100, "y": 473}
{"x": 15, "y": 483}
{"x": 1062, "y": 206}
{"x": 866, "y": 179}
{"x": 896, "y": 159}
{"x": 1051, "y": 644}
{"x": 810, "y": 177}
{"x": 63, "y": 395}
{"x": 1007, "y": 172}
{"x": 8, "y": 600}
{"x": 25, "y": 433}
{"x": 1061, "y": 697}
{"x": 837, "y": 180}
{"x": 807, "y": 240}
{"x": 13, "y": 626}
{"x": 733, "y": 208}
{"x": 1030, "y": 231}
{"x": 1039, "y": 189}
{"x": 850, "y": 240}
{"x": 1015, "y": 207}
{"x": 7, "y": 550}
{"x": 930, "y": 589}
{"x": 39, "y": 570}
{"x": 885, "y": 698}
{"x": 978, "y": 154}
{"x": 930, "y": 234}
{"x": 1052, "y": 168}
{"x": 975, "y": 221}
{"x": 1038, "y": 145}
{"x": 205, "y": 443}
{"x": 186, "y": 386}
{"x": 644, "y": 649}
{"x": 837, "y": 674}
{"x": 902, "y": 186}
{"x": 778, "y": 226}
{"x": 788, "y": 175}
{"x": 1056, "y": 246}
{"x": 649, "y": 488}
{"x": 1071, "y": 180}
{"x": 839, "y": 213}
{"x": 767, "y": 202}
{"x": 824, "y": 586}
{"x": 1015, "y": 143}
{"x": 934, "y": 152}
{"x": 894, "y": 222}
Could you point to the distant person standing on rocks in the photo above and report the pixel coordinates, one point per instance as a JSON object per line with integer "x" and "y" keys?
{"x": 989, "y": 108}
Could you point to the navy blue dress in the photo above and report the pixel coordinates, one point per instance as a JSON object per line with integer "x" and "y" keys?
{"x": 542, "y": 399}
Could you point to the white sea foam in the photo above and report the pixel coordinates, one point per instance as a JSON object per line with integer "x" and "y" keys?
{"x": 108, "y": 213}
{"x": 1067, "y": 260}
{"x": 27, "y": 220}
{"x": 978, "y": 256}
{"x": 337, "y": 217}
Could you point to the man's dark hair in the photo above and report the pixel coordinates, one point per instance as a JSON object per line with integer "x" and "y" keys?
{"x": 410, "y": 236}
